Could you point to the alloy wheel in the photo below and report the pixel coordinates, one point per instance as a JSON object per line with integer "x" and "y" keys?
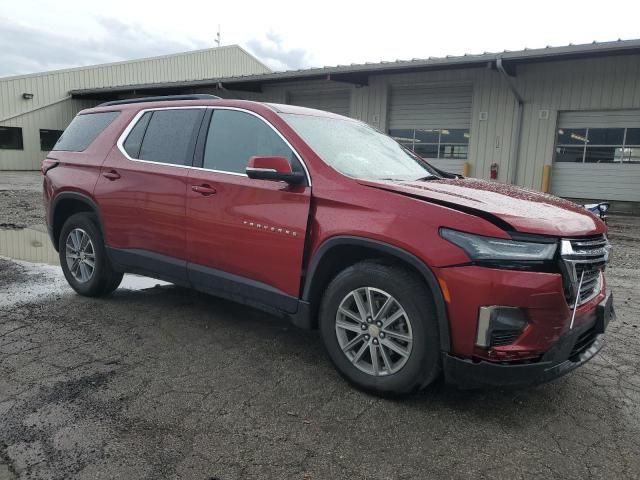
{"x": 80, "y": 255}
{"x": 374, "y": 331}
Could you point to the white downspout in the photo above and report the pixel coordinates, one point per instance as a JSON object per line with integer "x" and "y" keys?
{"x": 518, "y": 127}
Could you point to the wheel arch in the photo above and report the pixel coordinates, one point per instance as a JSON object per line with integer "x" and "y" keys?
{"x": 329, "y": 259}
{"x": 66, "y": 204}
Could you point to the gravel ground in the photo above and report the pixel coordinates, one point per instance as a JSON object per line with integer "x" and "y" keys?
{"x": 20, "y": 208}
{"x": 167, "y": 383}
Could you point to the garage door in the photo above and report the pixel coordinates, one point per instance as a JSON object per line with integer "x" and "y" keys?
{"x": 434, "y": 121}
{"x": 597, "y": 155}
{"x": 336, "y": 101}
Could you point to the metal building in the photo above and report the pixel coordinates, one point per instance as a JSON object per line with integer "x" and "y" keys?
{"x": 35, "y": 108}
{"x": 561, "y": 119}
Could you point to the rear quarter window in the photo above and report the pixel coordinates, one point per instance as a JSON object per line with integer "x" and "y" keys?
{"x": 83, "y": 130}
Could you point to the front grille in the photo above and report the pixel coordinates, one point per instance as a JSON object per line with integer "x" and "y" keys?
{"x": 583, "y": 258}
{"x": 503, "y": 337}
{"x": 590, "y": 284}
{"x": 583, "y": 343}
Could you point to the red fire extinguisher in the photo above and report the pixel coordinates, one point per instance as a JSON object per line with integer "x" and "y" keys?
{"x": 494, "y": 171}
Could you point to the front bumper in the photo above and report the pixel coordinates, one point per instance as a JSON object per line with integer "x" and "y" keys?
{"x": 573, "y": 349}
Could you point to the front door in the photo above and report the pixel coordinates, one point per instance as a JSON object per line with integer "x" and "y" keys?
{"x": 244, "y": 236}
{"x": 141, "y": 193}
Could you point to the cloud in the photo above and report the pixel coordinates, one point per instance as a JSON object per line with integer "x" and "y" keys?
{"x": 271, "y": 50}
{"x": 24, "y": 49}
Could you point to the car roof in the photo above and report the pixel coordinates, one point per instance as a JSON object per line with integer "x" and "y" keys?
{"x": 258, "y": 107}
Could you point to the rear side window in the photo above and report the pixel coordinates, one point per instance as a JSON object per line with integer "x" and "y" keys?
{"x": 83, "y": 130}
{"x": 134, "y": 140}
{"x": 234, "y": 137}
{"x": 170, "y": 136}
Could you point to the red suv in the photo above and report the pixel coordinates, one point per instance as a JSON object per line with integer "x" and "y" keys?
{"x": 407, "y": 271}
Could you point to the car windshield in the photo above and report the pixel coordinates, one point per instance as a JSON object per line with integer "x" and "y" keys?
{"x": 359, "y": 151}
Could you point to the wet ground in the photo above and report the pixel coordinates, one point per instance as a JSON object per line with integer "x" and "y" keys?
{"x": 162, "y": 382}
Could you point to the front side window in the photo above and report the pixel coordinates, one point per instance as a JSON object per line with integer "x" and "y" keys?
{"x": 598, "y": 145}
{"x": 83, "y": 130}
{"x": 435, "y": 143}
{"x": 357, "y": 150}
{"x": 169, "y": 136}
{"x": 11, "y": 138}
{"x": 234, "y": 137}
{"x": 48, "y": 139}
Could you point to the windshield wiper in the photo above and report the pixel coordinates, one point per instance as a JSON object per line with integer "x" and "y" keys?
{"x": 427, "y": 178}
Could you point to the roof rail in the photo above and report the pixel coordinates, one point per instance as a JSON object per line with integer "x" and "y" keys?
{"x": 160, "y": 98}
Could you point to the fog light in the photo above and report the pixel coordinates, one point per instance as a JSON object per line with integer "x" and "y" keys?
{"x": 499, "y": 325}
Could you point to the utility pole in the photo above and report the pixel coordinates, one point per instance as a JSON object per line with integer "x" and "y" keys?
{"x": 218, "y": 36}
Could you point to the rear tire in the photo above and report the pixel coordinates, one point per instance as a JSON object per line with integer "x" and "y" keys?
{"x": 84, "y": 259}
{"x": 387, "y": 341}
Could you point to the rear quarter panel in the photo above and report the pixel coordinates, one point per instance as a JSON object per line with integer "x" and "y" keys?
{"x": 79, "y": 171}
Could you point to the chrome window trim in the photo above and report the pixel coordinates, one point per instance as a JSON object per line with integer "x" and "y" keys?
{"x": 237, "y": 174}
{"x": 123, "y": 136}
{"x": 255, "y": 169}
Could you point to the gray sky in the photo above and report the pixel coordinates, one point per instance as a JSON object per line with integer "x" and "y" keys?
{"x": 37, "y": 35}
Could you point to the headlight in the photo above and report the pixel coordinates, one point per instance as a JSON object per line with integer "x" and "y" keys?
{"x": 490, "y": 250}
{"x": 603, "y": 207}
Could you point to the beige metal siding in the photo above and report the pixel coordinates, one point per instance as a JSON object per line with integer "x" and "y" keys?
{"x": 50, "y": 87}
{"x": 331, "y": 96}
{"x": 336, "y": 101}
{"x": 54, "y": 117}
{"x": 610, "y": 83}
{"x": 491, "y": 140}
{"x": 606, "y": 83}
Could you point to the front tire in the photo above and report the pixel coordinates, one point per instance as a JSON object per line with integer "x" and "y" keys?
{"x": 84, "y": 259}
{"x": 379, "y": 328}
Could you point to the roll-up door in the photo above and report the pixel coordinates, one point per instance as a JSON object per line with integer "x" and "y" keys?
{"x": 597, "y": 155}
{"x": 434, "y": 121}
{"x": 336, "y": 101}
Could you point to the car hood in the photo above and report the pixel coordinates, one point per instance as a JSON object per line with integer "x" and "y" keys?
{"x": 524, "y": 210}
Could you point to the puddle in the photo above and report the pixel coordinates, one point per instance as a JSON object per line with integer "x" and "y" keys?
{"x": 31, "y": 248}
{"x": 28, "y": 244}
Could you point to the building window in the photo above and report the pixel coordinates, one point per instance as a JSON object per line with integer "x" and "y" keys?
{"x": 435, "y": 143}
{"x": 48, "y": 139}
{"x": 598, "y": 145}
{"x": 11, "y": 138}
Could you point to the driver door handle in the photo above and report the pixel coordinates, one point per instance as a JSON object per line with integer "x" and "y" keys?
{"x": 203, "y": 189}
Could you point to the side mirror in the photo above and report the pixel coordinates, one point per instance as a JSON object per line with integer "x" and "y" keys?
{"x": 273, "y": 168}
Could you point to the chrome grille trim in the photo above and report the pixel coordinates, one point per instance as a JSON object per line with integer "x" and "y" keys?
{"x": 590, "y": 255}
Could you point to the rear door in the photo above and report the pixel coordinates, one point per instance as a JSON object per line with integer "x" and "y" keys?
{"x": 245, "y": 236}
{"x": 141, "y": 192}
